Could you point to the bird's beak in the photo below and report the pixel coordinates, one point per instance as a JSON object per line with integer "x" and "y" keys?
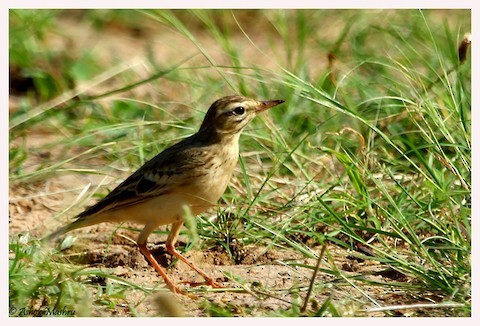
{"x": 265, "y": 105}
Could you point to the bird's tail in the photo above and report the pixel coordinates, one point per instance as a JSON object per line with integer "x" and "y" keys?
{"x": 60, "y": 231}
{"x": 81, "y": 222}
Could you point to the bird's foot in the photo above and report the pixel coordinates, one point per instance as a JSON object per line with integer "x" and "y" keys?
{"x": 177, "y": 290}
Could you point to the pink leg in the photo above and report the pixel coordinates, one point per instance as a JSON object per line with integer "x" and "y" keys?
{"x": 148, "y": 255}
{"x": 172, "y": 237}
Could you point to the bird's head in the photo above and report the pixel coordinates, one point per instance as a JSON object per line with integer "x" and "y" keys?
{"x": 230, "y": 114}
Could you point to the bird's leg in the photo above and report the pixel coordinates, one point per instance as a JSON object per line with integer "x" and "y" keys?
{"x": 142, "y": 245}
{"x": 172, "y": 238}
{"x": 148, "y": 255}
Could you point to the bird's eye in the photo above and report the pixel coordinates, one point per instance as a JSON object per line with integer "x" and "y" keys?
{"x": 240, "y": 110}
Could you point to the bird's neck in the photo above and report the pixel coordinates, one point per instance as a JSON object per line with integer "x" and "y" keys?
{"x": 210, "y": 135}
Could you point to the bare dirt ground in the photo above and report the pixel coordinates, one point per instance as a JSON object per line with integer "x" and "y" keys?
{"x": 33, "y": 207}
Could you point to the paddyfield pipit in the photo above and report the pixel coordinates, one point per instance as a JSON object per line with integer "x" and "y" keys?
{"x": 193, "y": 173}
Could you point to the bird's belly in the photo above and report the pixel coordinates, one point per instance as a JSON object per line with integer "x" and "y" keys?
{"x": 161, "y": 210}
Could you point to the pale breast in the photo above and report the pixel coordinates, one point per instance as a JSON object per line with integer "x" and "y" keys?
{"x": 210, "y": 186}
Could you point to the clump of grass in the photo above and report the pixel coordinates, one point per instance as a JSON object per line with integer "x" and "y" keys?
{"x": 43, "y": 283}
{"x": 38, "y": 285}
